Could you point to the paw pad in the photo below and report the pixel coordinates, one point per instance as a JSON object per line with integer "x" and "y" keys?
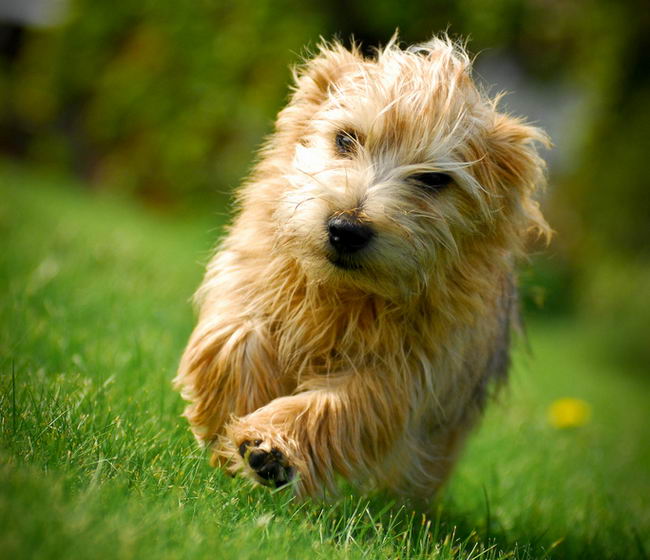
{"x": 271, "y": 467}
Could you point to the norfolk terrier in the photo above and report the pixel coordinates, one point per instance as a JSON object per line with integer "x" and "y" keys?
{"x": 357, "y": 314}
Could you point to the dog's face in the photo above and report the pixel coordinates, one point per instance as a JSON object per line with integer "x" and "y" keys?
{"x": 392, "y": 168}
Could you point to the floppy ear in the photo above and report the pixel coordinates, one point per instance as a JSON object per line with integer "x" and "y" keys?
{"x": 312, "y": 83}
{"x": 314, "y": 78}
{"x": 518, "y": 171}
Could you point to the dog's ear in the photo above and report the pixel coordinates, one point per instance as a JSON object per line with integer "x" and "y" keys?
{"x": 314, "y": 79}
{"x": 517, "y": 169}
{"x": 312, "y": 83}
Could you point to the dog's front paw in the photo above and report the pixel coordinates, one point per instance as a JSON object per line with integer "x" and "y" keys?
{"x": 269, "y": 464}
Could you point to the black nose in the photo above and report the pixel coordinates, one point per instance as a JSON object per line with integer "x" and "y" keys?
{"x": 348, "y": 235}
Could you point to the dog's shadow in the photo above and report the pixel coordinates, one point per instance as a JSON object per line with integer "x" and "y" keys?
{"x": 443, "y": 527}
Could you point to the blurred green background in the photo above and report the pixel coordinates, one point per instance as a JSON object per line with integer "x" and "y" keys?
{"x": 165, "y": 103}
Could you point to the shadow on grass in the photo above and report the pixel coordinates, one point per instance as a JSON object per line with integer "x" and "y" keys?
{"x": 446, "y": 530}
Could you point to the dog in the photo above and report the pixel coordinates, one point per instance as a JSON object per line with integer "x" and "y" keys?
{"x": 357, "y": 314}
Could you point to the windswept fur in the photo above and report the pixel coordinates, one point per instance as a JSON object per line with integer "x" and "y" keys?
{"x": 375, "y": 372}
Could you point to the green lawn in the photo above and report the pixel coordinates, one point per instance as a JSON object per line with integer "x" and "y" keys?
{"x": 96, "y": 463}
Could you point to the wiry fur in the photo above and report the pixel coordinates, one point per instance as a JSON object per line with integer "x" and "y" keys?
{"x": 374, "y": 374}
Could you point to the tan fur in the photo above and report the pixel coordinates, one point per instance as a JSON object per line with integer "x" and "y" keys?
{"x": 376, "y": 374}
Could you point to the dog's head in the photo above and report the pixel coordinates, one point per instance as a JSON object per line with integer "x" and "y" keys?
{"x": 392, "y": 168}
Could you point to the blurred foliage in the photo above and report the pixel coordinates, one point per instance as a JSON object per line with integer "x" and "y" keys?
{"x": 160, "y": 98}
{"x": 168, "y": 100}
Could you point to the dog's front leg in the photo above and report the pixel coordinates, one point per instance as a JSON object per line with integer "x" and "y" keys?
{"x": 228, "y": 369}
{"x": 344, "y": 426}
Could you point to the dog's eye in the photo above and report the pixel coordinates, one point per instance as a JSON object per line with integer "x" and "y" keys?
{"x": 346, "y": 142}
{"x": 433, "y": 181}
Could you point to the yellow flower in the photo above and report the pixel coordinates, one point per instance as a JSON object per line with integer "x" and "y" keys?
{"x": 569, "y": 413}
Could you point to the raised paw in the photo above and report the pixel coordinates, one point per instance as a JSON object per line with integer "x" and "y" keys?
{"x": 270, "y": 466}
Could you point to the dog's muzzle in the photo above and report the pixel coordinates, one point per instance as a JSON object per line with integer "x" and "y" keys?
{"x": 348, "y": 235}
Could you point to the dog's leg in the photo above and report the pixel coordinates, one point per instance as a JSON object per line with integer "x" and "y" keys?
{"x": 227, "y": 370}
{"x": 421, "y": 465}
{"x": 345, "y": 426}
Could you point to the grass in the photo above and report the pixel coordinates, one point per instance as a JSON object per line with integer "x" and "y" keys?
{"x": 96, "y": 463}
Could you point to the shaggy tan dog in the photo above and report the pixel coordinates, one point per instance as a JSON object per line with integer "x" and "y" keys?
{"x": 359, "y": 308}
